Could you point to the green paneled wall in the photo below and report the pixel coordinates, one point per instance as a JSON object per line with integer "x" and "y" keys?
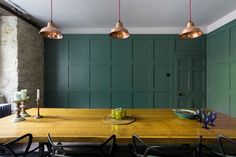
{"x": 221, "y": 67}
{"x": 95, "y": 71}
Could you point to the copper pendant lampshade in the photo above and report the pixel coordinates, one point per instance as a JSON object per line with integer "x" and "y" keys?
{"x": 51, "y": 31}
{"x": 119, "y": 31}
{"x": 191, "y": 31}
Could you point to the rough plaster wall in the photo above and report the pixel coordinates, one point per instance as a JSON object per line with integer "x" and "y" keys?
{"x": 30, "y": 60}
{"x": 8, "y": 56}
{"x": 21, "y": 58}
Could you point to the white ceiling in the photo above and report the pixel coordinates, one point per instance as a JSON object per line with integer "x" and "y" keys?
{"x": 148, "y": 14}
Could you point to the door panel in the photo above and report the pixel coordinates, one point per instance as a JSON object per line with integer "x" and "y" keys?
{"x": 183, "y": 80}
{"x": 190, "y": 82}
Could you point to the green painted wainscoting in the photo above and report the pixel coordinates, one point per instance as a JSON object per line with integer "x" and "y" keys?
{"x": 143, "y": 71}
{"x": 221, "y": 69}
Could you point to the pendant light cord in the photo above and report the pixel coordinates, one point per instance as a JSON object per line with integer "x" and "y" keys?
{"x": 119, "y": 10}
{"x": 51, "y": 10}
{"x": 190, "y": 10}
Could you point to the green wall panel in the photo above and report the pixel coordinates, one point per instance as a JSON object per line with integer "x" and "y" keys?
{"x": 219, "y": 76}
{"x": 57, "y": 77}
{"x": 233, "y": 76}
{"x": 121, "y": 99}
{"x": 162, "y": 99}
{"x": 220, "y": 102}
{"x": 199, "y": 62}
{"x": 161, "y": 79}
{"x": 142, "y": 50}
{"x": 183, "y": 63}
{"x": 100, "y": 77}
{"x": 233, "y": 105}
{"x": 162, "y": 51}
{"x": 142, "y": 100}
{"x": 56, "y": 52}
{"x": 221, "y": 69}
{"x": 100, "y": 50}
{"x": 183, "y": 83}
{"x": 141, "y": 77}
{"x": 198, "y": 101}
{"x": 79, "y": 99}
{"x": 219, "y": 46}
{"x": 190, "y": 46}
{"x": 121, "y": 51}
{"x": 78, "y": 77}
{"x": 232, "y": 42}
{"x": 79, "y": 50}
{"x": 198, "y": 80}
{"x": 100, "y": 100}
{"x": 95, "y": 71}
{"x": 120, "y": 78}
{"x": 183, "y": 102}
{"x": 57, "y": 99}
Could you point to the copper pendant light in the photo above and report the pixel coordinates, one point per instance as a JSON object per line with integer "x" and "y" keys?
{"x": 190, "y": 31}
{"x": 119, "y": 31}
{"x": 51, "y": 31}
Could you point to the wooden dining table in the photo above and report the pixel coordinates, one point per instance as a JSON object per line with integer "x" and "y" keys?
{"x": 88, "y": 125}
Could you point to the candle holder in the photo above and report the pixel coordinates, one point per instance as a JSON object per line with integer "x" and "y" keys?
{"x": 38, "y": 116}
{"x": 18, "y": 117}
{"x": 23, "y": 106}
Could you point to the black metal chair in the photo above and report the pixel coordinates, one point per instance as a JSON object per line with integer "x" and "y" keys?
{"x": 205, "y": 151}
{"x": 105, "y": 149}
{"x": 227, "y": 146}
{"x": 139, "y": 148}
{"x": 14, "y": 145}
{"x": 14, "y": 149}
{"x": 6, "y": 151}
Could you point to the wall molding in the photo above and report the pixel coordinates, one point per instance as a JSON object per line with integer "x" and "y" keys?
{"x": 222, "y": 21}
{"x": 132, "y": 30}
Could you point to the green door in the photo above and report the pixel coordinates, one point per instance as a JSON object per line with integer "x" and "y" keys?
{"x": 190, "y": 82}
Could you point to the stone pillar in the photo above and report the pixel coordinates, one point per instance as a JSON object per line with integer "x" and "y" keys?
{"x": 8, "y": 56}
{"x": 21, "y": 58}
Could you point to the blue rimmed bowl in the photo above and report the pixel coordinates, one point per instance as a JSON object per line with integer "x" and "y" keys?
{"x": 185, "y": 113}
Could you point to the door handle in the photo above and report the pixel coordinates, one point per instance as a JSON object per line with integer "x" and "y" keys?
{"x": 179, "y": 94}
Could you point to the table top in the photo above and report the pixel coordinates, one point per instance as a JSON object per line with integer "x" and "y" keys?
{"x": 87, "y": 125}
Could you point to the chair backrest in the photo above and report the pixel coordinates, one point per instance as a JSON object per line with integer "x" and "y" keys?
{"x": 82, "y": 150}
{"x": 205, "y": 151}
{"x": 113, "y": 146}
{"x": 27, "y": 138}
{"x": 227, "y": 146}
{"x": 53, "y": 148}
{"x": 169, "y": 151}
{"x": 140, "y": 149}
{"x": 6, "y": 151}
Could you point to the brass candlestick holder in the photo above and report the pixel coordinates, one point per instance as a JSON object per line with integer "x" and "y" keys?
{"x": 23, "y": 106}
{"x": 38, "y": 116}
{"x": 18, "y": 117}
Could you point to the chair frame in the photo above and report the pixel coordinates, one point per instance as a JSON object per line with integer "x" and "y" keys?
{"x": 7, "y": 150}
{"x": 7, "y": 146}
{"x": 29, "y": 142}
{"x": 154, "y": 148}
{"x": 222, "y": 150}
{"x": 53, "y": 148}
{"x": 200, "y": 146}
